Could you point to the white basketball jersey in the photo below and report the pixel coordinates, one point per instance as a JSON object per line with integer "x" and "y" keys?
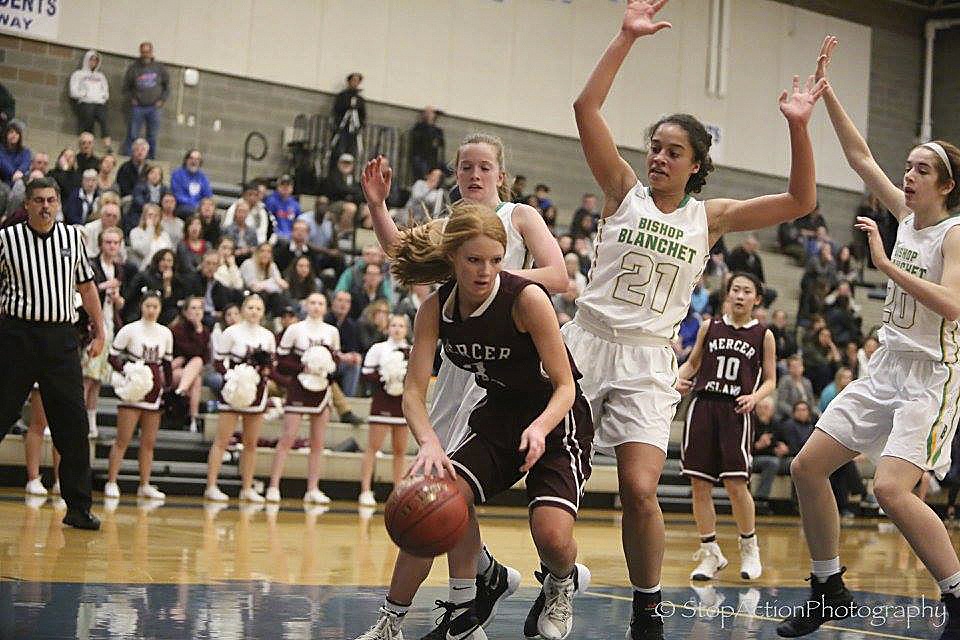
{"x": 516, "y": 256}
{"x": 907, "y": 325}
{"x": 150, "y": 342}
{"x": 308, "y": 333}
{"x": 645, "y": 265}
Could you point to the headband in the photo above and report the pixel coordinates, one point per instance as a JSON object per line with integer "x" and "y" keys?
{"x": 938, "y": 149}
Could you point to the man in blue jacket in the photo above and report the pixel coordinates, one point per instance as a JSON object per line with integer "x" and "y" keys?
{"x": 284, "y": 208}
{"x": 189, "y": 184}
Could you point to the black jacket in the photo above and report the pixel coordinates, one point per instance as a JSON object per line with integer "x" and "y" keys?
{"x": 128, "y": 175}
{"x": 124, "y": 272}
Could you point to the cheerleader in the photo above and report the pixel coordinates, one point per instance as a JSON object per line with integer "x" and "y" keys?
{"x": 141, "y": 354}
{"x": 305, "y": 365}
{"x": 244, "y": 393}
{"x": 383, "y": 369}
{"x": 33, "y": 448}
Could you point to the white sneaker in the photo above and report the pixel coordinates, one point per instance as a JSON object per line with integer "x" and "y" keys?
{"x": 556, "y": 619}
{"x": 213, "y": 493}
{"x": 750, "y": 568}
{"x": 711, "y": 561}
{"x": 94, "y": 432}
{"x": 249, "y": 495}
{"x": 150, "y": 491}
{"x": 366, "y": 499}
{"x": 273, "y": 494}
{"x": 111, "y": 490}
{"x": 55, "y": 489}
{"x": 317, "y": 496}
{"x": 387, "y": 627}
{"x": 35, "y": 488}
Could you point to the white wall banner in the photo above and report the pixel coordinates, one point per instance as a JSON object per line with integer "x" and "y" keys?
{"x": 31, "y": 18}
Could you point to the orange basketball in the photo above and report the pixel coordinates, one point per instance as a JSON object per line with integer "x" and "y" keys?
{"x": 426, "y": 516}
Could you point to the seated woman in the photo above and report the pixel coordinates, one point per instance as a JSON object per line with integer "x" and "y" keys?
{"x": 261, "y": 275}
{"x": 147, "y": 237}
{"x": 191, "y": 351}
{"x": 303, "y": 281}
{"x": 191, "y": 249}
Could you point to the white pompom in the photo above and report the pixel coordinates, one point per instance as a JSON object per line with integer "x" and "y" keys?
{"x": 134, "y": 383}
{"x": 318, "y": 365}
{"x": 393, "y": 369}
{"x": 240, "y": 386}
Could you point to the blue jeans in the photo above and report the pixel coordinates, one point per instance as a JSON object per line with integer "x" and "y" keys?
{"x": 349, "y": 377}
{"x": 140, "y": 116}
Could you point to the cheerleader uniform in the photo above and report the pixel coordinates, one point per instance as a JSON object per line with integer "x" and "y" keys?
{"x": 244, "y": 343}
{"x": 294, "y": 342}
{"x": 151, "y": 343}
{"x": 384, "y": 408}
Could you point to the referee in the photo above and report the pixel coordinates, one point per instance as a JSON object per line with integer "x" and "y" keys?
{"x": 42, "y": 263}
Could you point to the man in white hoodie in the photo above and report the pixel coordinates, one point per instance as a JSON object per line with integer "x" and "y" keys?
{"x": 88, "y": 86}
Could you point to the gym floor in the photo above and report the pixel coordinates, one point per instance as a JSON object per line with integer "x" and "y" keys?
{"x": 186, "y": 569}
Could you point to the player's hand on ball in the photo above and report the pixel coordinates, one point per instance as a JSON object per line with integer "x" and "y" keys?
{"x": 533, "y": 441}
{"x": 432, "y": 461}
{"x": 684, "y": 385}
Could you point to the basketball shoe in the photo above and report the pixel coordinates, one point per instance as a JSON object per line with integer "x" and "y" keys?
{"x": 951, "y": 630}
{"x": 581, "y": 582}
{"x": 497, "y": 584}
{"x": 711, "y": 561}
{"x": 750, "y": 567}
{"x": 646, "y": 623}
{"x": 387, "y": 627}
{"x": 828, "y": 600}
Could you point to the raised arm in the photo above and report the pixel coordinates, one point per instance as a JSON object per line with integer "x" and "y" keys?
{"x": 614, "y": 175}
{"x": 855, "y": 148}
{"x": 376, "y": 181}
{"x": 726, "y": 215}
{"x": 549, "y": 269}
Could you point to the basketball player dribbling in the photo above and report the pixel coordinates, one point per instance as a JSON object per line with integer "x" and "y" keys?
{"x": 651, "y": 248}
{"x": 733, "y": 365}
{"x": 904, "y": 413}
{"x": 481, "y": 178}
{"x": 533, "y": 423}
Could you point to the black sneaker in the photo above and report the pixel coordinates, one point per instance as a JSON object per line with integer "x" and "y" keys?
{"x": 828, "y": 600}
{"x": 464, "y": 624}
{"x": 646, "y": 622}
{"x": 951, "y": 630}
{"x": 82, "y": 519}
{"x": 501, "y": 584}
{"x": 581, "y": 582}
{"x": 443, "y": 622}
{"x": 351, "y": 418}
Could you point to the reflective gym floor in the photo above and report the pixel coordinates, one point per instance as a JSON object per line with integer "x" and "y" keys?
{"x": 190, "y": 570}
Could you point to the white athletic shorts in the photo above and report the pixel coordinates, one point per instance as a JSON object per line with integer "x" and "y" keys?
{"x": 906, "y": 407}
{"x": 629, "y": 383}
{"x": 455, "y": 395}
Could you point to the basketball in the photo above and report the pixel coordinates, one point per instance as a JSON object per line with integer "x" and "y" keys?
{"x": 426, "y": 516}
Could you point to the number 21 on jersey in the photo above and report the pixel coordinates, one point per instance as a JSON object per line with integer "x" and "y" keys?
{"x": 645, "y": 283}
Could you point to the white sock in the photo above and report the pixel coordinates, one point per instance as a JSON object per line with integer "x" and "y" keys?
{"x": 823, "y": 569}
{"x": 462, "y": 590}
{"x": 484, "y": 562}
{"x": 950, "y": 585}
{"x": 399, "y": 609}
{"x": 92, "y": 418}
{"x": 647, "y": 590}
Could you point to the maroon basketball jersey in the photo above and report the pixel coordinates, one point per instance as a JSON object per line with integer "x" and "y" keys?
{"x": 732, "y": 358}
{"x": 488, "y": 343}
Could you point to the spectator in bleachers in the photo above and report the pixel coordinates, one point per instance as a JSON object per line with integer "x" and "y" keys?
{"x": 133, "y": 170}
{"x": 244, "y": 236}
{"x": 745, "y": 258}
{"x": 228, "y": 273}
{"x": 842, "y": 315}
{"x": 793, "y": 388}
{"x": 849, "y": 358}
{"x": 158, "y": 276}
{"x": 86, "y": 158}
{"x": 783, "y": 335}
{"x": 148, "y": 237}
{"x": 796, "y": 430}
{"x": 193, "y": 247}
{"x": 90, "y": 90}
{"x": 147, "y": 83}
{"x": 207, "y": 211}
{"x": 368, "y": 289}
{"x": 350, "y": 357}
{"x": 296, "y": 245}
{"x": 8, "y": 106}
{"x": 542, "y": 191}
{"x": 872, "y": 208}
{"x": 813, "y": 291}
{"x": 342, "y": 186}
{"x": 40, "y": 162}
{"x": 820, "y": 358}
{"x": 769, "y": 452}
{"x": 284, "y": 207}
{"x": 172, "y": 224}
{"x": 807, "y": 225}
{"x": 349, "y": 117}
{"x": 788, "y": 238}
{"x": 261, "y": 275}
{"x": 565, "y": 304}
{"x": 819, "y": 241}
{"x": 550, "y": 219}
{"x": 411, "y": 300}
{"x": 191, "y": 352}
{"x": 14, "y": 156}
{"x": 149, "y": 190}
{"x": 517, "y": 189}
{"x": 870, "y": 345}
{"x": 572, "y": 262}
{"x": 109, "y": 218}
{"x": 533, "y": 201}
{"x": 717, "y": 298}
{"x": 841, "y": 379}
{"x": 105, "y": 178}
{"x": 78, "y": 205}
{"x": 203, "y": 283}
{"x": 65, "y": 173}
{"x": 190, "y": 184}
{"x": 686, "y": 336}
{"x": 302, "y": 278}
{"x": 427, "y": 144}
{"x": 257, "y": 217}
{"x": 370, "y": 254}
{"x": 846, "y": 265}
{"x": 716, "y": 271}
{"x": 589, "y": 208}
{"x": 426, "y": 199}
{"x": 700, "y": 297}
{"x": 373, "y": 323}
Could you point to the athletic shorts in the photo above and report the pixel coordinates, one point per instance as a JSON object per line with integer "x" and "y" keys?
{"x": 489, "y": 459}
{"x": 906, "y": 407}
{"x": 716, "y": 439}
{"x": 630, "y": 387}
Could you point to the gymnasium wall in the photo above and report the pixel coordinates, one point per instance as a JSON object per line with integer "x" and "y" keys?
{"x": 946, "y": 82}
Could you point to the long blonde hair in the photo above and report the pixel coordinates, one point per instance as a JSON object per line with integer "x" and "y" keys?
{"x": 158, "y": 225}
{"x": 424, "y": 254}
{"x": 485, "y": 138}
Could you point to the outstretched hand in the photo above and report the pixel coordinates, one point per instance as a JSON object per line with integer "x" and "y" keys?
{"x": 797, "y": 105}
{"x": 826, "y": 55}
{"x": 376, "y": 180}
{"x": 638, "y": 19}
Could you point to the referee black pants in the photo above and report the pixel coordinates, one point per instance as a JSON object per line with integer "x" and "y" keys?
{"x": 49, "y": 355}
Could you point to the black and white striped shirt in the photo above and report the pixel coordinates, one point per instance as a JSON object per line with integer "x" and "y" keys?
{"x": 39, "y": 272}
